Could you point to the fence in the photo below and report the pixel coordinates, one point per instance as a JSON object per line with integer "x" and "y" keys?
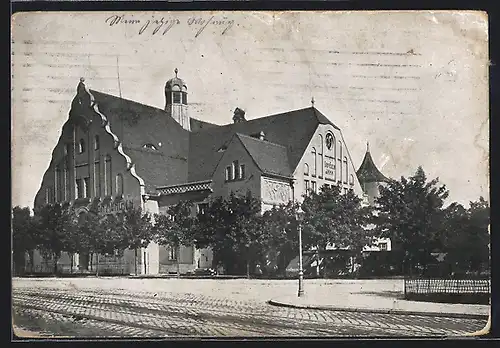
{"x": 447, "y": 286}
{"x": 448, "y": 290}
{"x": 108, "y": 268}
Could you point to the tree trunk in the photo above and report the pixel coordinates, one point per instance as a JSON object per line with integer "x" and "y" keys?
{"x": 91, "y": 259}
{"x": 317, "y": 261}
{"x": 97, "y": 265}
{"x": 177, "y": 259}
{"x": 248, "y": 268}
{"x": 55, "y": 264}
{"x": 71, "y": 255}
{"x": 135, "y": 261}
{"x": 32, "y": 262}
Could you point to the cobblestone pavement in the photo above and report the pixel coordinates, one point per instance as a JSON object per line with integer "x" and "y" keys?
{"x": 128, "y": 313}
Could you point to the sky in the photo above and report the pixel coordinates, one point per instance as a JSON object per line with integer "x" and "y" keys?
{"x": 412, "y": 84}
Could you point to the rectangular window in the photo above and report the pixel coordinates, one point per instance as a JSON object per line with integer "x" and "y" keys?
{"x": 306, "y": 185}
{"x": 228, "y": 173}
{"x": 234, "y": 170}
{"x": 313, "y": 186}
{"x": 202, "y": 207}
{"x": 177, "y": 97}
{"x": 241, "y": 173}
{"x": 79, "y": 188}
{"x": 86, "y": 183}
{"x": 172, "y": 253}
{"x": 97, "y": 179}
{"x": 383, "y": 246}
{"x": 320, "y": 175}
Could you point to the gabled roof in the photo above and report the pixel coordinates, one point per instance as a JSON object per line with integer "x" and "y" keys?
{"x": 270, "y": 158}
{"x": 368, "y": 171}
{"x": 197, "y": 125}
{"x": 292, "y": 130}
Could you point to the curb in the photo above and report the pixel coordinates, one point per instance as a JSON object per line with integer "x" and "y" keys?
{"x": 381, "y": 311}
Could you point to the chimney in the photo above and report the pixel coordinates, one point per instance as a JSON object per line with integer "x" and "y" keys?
{"x": 239, "y": 115}
{"x": 262, "y": 135}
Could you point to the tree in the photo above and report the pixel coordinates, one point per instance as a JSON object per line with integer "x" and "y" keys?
{"x": 233, "y": 229}
{"x": 281, "y": 224}
{"x": 464, "y": 237}
{"x": 88, "y": 237}
{"x": 336, "y": 219}
{"x": 410, "y": 213}
{"x": 24, "y": 237}
{"x": 175, "y": 228}
{"x": 246, "y": 229}
{"x": 211, "y": 228}
{"x": 137, "y": 230}
{"x": 55, "y": 225}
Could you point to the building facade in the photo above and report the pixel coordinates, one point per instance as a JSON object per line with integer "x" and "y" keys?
{"x": 114, "y": 151}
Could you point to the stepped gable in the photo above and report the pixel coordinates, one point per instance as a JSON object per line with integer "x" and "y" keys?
{"x": 137, "y": 125}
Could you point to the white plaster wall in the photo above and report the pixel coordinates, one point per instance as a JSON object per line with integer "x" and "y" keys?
{"x": 318, "y": 142}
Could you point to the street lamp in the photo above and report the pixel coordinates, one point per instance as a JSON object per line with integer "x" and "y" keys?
{"x": 300, "y": 216}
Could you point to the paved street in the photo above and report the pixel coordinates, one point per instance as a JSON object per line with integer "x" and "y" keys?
{"x": 61, "y": 308}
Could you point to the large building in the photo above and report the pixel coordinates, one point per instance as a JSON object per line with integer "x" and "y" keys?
{"x": 114, "y": 151}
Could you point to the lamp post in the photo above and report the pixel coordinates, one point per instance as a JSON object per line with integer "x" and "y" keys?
{"x": 300, "y": 214}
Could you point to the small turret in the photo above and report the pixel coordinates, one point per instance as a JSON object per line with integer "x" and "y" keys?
{"x": 370, "y": 177}
{"x": 176, "y": 104}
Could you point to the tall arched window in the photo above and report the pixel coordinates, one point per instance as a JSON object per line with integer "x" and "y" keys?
{"x": 56, "y": 181}
{"x": 306, "y": 169}
{"x": 81, "y": 146}
{"x": 96, "y": 142}
{"x": 351, "y": 180}
{"x": 340, "y": 161}
{"x": 119, "y": 184}
{"x": 314, "y": 162}
{"x": 346, "y": 168}
{"x": 97, "y": 179}
{"x": 320, "y": 156}
{"x": 65, "y": 182}
{"x": 108, "y": 187}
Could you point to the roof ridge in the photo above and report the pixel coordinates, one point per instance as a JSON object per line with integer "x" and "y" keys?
{"x": 259, "y": 140}
{"x": 127, "y": 100}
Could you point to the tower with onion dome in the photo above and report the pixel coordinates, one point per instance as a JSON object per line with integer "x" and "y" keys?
{"x": 176, "y": 104}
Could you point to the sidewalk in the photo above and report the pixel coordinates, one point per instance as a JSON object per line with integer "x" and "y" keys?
{"x": 373, "y": 303}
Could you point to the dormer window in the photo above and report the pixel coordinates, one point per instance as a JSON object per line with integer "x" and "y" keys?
{"x": 222, "y": 148}
{"x": 81, "y": 146}
{"x": 149, "y": 146}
